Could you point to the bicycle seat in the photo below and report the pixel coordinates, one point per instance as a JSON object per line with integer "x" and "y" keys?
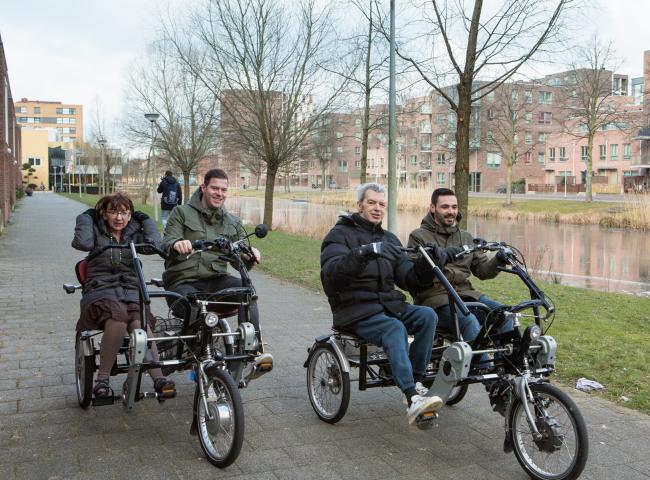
{"x": 81, "y": 270}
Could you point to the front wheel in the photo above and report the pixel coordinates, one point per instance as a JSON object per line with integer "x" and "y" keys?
{"x": 221, "y": 426}
{"x": 562, "y": 450}
{"x": 328, "y": 385}
{"x": 84, "y": 371}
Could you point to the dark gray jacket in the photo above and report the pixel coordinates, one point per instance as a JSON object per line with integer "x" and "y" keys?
{"x": 110, "y": 275}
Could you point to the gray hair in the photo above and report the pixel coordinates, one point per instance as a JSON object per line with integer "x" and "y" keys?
{"x": 375, "y": 187}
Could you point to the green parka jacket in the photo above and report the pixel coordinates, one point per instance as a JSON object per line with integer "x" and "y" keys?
{"x": 192, "y": 222}
{"x": 458, "y": 272}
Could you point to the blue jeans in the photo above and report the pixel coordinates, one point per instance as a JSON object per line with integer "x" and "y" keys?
{"x": 391, "y": 334}
{"x": 469, "y": 324}
{"x": 164, "y": 216}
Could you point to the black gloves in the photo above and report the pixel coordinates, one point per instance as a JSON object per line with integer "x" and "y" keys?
{"x": 442, "y": 256}
{"x": 92, "y": 213}
{"x": 423, "y": 269}
{"x": 140, "y": 216}
{"x": 502, "y": 258}
{"x": 389, "y": 251}
{"x": 368, "y": 251}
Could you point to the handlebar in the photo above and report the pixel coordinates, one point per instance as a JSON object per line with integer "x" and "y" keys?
{"x": 142, "y": 248}
{"x": 240, "y": 246}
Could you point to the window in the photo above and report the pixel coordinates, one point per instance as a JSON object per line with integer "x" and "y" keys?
{"x": 440, "y": 160}
{"x": 528, "y": 116}
{"x": 357, "y": 150}
{"x": 490, "y": 96}
{"x": 357, "y": 136}
{"x": 613, "y": 151}
{"x": 357, "y": 122}
{"x": 381, "y": 162}
{"x": 414, "y": 159}
{"x": 602, "y": 150}
{"x": 627, "y": 151}
{"x": 339, "y": 149}
{"x": 541, "y": 137}
{"x": 528, "y": 158}
{"x": 514, "y": 95}
{"x": 584, "y": 153}
{"x": 563, "y": 157}
{"x": 357, "y": 164}
{"x": 414, "y": 142}
{"x": 490, "y": 114}
{"x": 343, "y": 166}
{"x": 21, "y": 109}
{"x": 490, "y": 137}
{"x": 65, "y": 111}
{"x": 440, "y": 138}
{"x": 441, "y": 118}
{"x": 545, "y": 117}
{"x": 551, "y": 154}
{"x": 515, "y": 139}
{"x": 493, "y": 160}
{"x": 37, "y": 110}
{"x": 528, "y": 96}
{"x": 440, "y": 178}
{"x": 528, "y": 138}
{"x": 546, "y": 98}
{"x": 540, "y": 158}
{"x": 339, "y": 135}
{"x": 34, "y": 162}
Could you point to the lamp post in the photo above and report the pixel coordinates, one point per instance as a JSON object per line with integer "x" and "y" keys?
{"x": 102, "y": 145}
{"x": 152, "y": 117}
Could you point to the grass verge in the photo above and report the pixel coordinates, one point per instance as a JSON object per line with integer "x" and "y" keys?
{"x": 601, "y": 336}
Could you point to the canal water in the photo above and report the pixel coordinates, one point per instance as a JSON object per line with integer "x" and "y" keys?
{"x": 614, "y": 260}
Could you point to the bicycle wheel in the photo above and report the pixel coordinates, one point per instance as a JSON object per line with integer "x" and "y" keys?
{"x": 561, "y": 452}
{"x": 84, "y": 372}
{"x": 457, "y": 394}
{"x": 221, "y": 426}
{"x": 328, "y": 385}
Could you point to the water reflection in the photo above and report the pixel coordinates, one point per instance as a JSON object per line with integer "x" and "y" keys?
{"x": 586, "y": 256}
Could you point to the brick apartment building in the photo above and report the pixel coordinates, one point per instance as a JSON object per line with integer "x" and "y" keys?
{"x": 10, "y": 168}
{"x": 527, "y": 121}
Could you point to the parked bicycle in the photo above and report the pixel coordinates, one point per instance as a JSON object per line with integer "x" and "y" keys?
{"x": 543, "y": 426}
{"x": 220, "y": 359}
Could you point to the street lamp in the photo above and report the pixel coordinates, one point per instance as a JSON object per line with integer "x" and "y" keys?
{"x": 102, "y": 145}
{"x": 152, "y": 117}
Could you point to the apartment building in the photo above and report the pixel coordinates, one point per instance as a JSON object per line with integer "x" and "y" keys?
{"x": 64, "y": 119}
{"x": 10, "y": 145}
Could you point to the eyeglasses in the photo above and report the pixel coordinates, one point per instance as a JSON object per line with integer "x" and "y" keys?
{"x": 117, "y": 213}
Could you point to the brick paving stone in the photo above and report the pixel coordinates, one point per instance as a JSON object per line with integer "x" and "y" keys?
{"x": 44, "y": 434}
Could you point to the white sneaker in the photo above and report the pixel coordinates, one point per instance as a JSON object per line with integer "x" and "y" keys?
{"x": 421, "y": 389}
{"x": 421, "y": 405}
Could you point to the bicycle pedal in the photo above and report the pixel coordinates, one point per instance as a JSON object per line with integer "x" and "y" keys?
{"x": 426, "y": 420}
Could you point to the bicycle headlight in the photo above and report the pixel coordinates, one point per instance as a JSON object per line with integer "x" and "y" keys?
{"x": 211, "y": 319}
{"x": 535, "y": 332}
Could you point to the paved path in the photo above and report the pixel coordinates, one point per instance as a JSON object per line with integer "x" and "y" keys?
{"x": 44, "y": 434}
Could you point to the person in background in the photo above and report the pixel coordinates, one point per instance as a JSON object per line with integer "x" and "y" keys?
{"x": 172, "y": 195}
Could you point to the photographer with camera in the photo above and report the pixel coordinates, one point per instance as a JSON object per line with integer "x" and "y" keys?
{"x": 172, "y": 195}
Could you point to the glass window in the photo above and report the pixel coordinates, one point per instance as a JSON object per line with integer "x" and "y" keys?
{"x": 339, "y": 149}
{"x": 440, "y": 178}
{"x": 540, "y": 158}
{"x": 357, "y": 164}
{"x": 490, "y": 114}
{"x": 528, "y": 117}
{"x": 563, "y": 157}
{"x": 546, "y": 98}
{"x": 357, "y": 150}
{"x": 528, "y": 96}
{"x": 545, "y": 117}
{"x": 440, "y": 160}
{"x": 37, "y": 110}
{"x": 627, "y": 151}
{"x": 602, "y": 150}
{"x": 613, "y": 151}
{"x": 584, "y": 153}
{"x": 414, "y": 159}
{"x": 339, "y": 135}
{"x": 551, "y": 154}
{"x": 528, "y": 138}
{"x": 541, "y": 137}
{"x": 493, "y": 160}
{"x": 490, "y": 137}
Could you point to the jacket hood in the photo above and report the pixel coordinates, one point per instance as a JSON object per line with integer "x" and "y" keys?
{"x": 170, "y": 179}
{"x": 211, "y": 215}
{"x": 429, "y": 223}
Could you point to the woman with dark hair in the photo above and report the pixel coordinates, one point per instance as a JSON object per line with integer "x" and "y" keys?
{"x": 110, "y": 299}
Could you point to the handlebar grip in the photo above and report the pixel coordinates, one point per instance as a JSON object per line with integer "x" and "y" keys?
{"x": 197, "y": 244}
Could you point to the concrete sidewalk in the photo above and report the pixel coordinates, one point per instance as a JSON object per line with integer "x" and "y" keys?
{"x": 44, "y": 434}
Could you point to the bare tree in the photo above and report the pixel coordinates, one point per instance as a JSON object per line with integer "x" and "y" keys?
{"x": 320, "y": 146}
{"x": 590, "y": 100}
{"x": 99, "y": 134}
{"x": 479, "y": 44}
{"x": 265, "y": 61}
{"x": 510, "y": 118}
{"x": 187, "y": 126}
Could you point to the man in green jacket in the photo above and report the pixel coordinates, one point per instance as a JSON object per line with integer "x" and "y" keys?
{"x": 204, "y": 217}
{"x": 440, "y": 227}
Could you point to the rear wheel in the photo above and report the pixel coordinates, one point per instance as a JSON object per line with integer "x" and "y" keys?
{"x": 221, "y": 425}
{"x": 328, "y": 385}
{"x": 561, "y": 451}
{"x": 84, "y": 372}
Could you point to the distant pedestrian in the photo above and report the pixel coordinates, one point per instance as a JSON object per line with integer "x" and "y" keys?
{"x": 171, "y": 195}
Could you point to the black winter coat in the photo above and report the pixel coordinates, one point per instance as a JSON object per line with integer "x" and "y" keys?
{"x": 358, "y": 288}
{"x": 110, "y": 275}
{"x": 169, "y": 187}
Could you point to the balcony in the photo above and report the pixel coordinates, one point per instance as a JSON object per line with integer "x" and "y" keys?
{"x": 644, "y": 134}
{"x": 640, "y": 161}
{"x": 424, "y": 147}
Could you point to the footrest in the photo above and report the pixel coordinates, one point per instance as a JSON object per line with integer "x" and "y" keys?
{"x": 425, "y": 421}
{"x": 103, "y": 401}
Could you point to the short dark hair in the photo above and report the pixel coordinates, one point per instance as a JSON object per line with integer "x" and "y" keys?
{"x": 441, "y": 192}
{"x": 114, "y": 201}
{"x": 214, "y": 173}
{"x": 169, "y": 173}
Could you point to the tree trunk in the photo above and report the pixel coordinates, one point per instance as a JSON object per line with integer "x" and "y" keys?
{"x": 322, "y": 176}
{"x": 588, "y": 186}
{"x": 271, "y": 172}
{"x": 365, "y": 122}
{"x": 511, "y": 161}
{"x": 186, "y": 186}
{"x": 462, "y": 150}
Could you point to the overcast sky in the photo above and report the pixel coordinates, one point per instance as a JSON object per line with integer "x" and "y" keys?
{"x": 77, "y": 51}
